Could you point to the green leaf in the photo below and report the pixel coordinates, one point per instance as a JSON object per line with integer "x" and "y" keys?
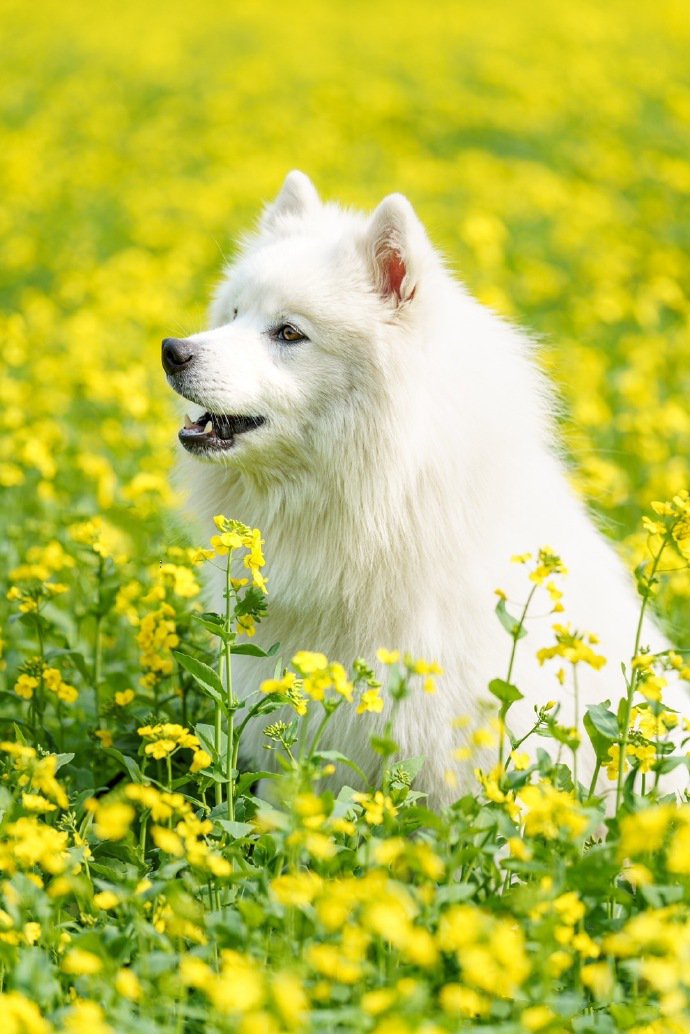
{"x": 207, "y": 736}
{"x": 252, "y": 602}
{"x": 247, "y": 780}
{"x": 205, "y": 676}
{"x": 214, "y": 624}
{"x": 411, "y": 767}
{"x": 384, "y": 745}
{"x": 237, "y": 830}
{"x": 128, "y": 764}
{"x": 668, "y": 764}
{"x": 601, "y": 725}
{"x": 341, "y": 759}
{"x": 450, "y": 895}
{"x": 504, "y": 691}
{"x": 511, "y": 624}
{"x": 250, "y": 650}
{"x": 210, "y": 617}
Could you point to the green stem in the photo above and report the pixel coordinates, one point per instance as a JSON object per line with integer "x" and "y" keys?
{"x": 632, "y": 685}
{"x": 595, "y": 776}
{"x": 319, "y": 732}
{"x": 218, "y": 727}
{"x": 142, "y": 836}
{"x": 515, "y": 636}
{"x": 576, "y": 692}
{"x": 39, "y": 702}
{"x": 229, "y": 698}
{"x": 98, "y": 648}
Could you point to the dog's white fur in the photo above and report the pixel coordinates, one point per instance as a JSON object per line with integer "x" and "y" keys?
{"x": 408, "y": 452}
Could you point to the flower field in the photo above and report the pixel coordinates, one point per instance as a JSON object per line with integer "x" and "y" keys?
{"x": 145, "y": 886}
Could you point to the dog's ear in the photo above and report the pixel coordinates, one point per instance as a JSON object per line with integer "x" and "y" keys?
{"x": 395, "y": 242}
{"x": 297, "y": 196}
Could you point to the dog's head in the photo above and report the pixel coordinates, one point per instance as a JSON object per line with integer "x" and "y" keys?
{"x": 300, "y": 328}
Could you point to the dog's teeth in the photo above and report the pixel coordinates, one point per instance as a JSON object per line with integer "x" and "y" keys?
{"x": 188, "y": 422}
{"x": 209, "y": 427}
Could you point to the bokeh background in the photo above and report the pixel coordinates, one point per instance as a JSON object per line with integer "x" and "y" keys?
{"x": 545, "y": 145}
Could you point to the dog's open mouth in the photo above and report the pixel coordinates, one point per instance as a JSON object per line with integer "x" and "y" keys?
{"x": 216, "y": 431}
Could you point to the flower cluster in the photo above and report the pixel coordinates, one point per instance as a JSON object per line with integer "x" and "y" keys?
{"x": 156, "y": 637}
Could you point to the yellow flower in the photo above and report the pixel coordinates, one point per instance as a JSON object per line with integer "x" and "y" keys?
{"x": 79, "y": 963}
{"x": 246, "y": 625}
{"x": 422, "y": 667}
{"x": 290, "y": 999}
{"x": 550, "y": 811}
{"x": 308, "y": 663}
{"x": 520, "y": 759}
{"x": 127, "y": 984}
{"x": 521, "y": 558}
{"x": 376, "y": 806}
{"x": 279, "y": 685}
{"x": 124, "y": 697}
{"x": 484, "y": 738}
{"x": 370, "y": 701}
{"x": 569, "y": 908}
{"x": 106, "y": 899}
{"x": 536, "y": 1017}
{"x": 167, "y": 841}
{"x": 519, "y": 849}
{"x": 548, "y": 563}
{"x": 296, "y": 889}
{"x": 678, "y": 856}
{"x": 572, "y": 647}
{"x": 195, "y": 973}
{"x": 22, "y": 1016}
{"x": 463, "y": 1001}
{"x": 86, "y": 1018}
{"x": 381, "y": 999}
{"x": 341, "y": 683}
{"x": 25, "y": 686}
{"x": 113, "y": 819}
{"x": 200, "y": 761}
{"x": 645, "y": 830}
{"x": 598, "y": 978}
{"x": 388, "y": 656}
{"x": 225, "y": 543}
{"x": 160, "y": 748}
{"x": 34, "y": 802}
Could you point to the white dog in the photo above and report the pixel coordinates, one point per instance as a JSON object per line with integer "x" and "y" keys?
{"x": 392, "y": 438}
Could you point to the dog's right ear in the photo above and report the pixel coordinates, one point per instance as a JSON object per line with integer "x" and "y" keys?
{"x": 297, "y": 197}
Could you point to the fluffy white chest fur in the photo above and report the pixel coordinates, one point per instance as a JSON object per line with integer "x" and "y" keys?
{"x": 393, "y": 441}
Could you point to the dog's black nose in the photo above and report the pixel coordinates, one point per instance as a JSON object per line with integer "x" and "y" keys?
{"x": 176, "y": 353}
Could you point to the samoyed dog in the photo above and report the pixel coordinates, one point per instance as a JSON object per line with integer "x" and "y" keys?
{"x": 393, "y": 440}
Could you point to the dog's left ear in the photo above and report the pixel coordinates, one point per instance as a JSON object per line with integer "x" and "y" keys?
{"x": 297, "y": 196}
{"x": 395, "y": 242}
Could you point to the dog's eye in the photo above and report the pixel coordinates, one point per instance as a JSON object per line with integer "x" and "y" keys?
{"x": 287, "y": 332}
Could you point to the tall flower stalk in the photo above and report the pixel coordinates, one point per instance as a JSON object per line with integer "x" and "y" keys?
{"x": 244, "y": 605}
